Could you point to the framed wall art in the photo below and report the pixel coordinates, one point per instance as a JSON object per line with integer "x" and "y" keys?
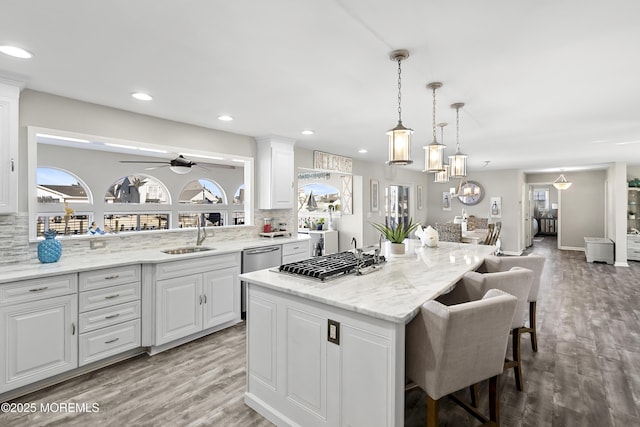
{"x": 375, "y": 195}
{"x": 446, "y": 201}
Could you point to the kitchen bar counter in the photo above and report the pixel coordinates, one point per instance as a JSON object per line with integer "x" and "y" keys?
{"x": 396, "y": 290}
{"x": 104, "y": 259}
{"x": 332, "y": 353}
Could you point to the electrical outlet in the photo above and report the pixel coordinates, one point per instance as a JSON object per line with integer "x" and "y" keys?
{"x": 333, "y": 331}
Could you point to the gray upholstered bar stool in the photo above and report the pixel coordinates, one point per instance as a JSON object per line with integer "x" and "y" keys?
{"x": 517, "y": 282}
{"x": 449, "y": 348}
{"x": 534, "y": 263}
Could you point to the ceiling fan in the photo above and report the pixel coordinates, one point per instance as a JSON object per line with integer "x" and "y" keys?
{"x": 179, "y": 165}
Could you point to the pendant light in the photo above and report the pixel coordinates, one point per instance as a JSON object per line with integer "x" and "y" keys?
{"x": 399, "y": 136}
{"x": 442, "y": 176}
{"x": 434, "y": 152}
{"x": 458, "y": 162}
{"x": 561, "y": 183}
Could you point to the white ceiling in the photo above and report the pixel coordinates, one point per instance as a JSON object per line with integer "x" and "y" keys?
{"x": 548, "y": 84}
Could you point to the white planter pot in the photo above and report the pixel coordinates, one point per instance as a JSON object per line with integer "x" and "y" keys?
{"x": 397, "y": 248}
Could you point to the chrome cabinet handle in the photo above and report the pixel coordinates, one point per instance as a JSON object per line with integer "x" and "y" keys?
{"x": 13, "y": 167}
{"x": 205, "y": 299}
{"x": 200, "y": 299}
{"x": 112, "y": 316}
{"x": 110, "y": 341}
{"x": 112, "y": 277}
{"x": 39, "y": 289}
{"x": 73, "y": 328}
{"x": 112, "y": 296}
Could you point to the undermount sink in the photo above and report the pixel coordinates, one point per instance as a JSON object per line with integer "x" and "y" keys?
{"x": 186, "y": 250}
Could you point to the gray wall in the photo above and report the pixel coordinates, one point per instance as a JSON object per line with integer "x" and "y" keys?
{"x": 582, "y": 206}
{"x": 503, "y": 183}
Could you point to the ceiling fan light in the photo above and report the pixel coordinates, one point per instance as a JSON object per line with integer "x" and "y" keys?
{"x": 561, "y": 183}
{"x": 180, "y": 169}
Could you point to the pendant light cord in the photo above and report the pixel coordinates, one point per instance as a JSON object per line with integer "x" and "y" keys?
{"x": 458, "y": 129}
{"x": 435, "y": 140}
{"x": 399, "y": 91}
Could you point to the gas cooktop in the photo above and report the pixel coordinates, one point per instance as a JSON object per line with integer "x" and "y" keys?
{"x": 333, "y": 265}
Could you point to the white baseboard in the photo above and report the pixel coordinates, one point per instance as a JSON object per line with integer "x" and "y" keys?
{"x": 571, "y": 248}
{"x": 621, "y": 264}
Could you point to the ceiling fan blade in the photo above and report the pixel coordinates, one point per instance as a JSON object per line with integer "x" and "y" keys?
{"x": 138, "y": 161}
{"x": 155, "y": 167}
{"x": 212, "y": 165}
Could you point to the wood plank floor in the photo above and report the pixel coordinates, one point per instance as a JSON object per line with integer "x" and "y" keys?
{"x": 586, "y": 373}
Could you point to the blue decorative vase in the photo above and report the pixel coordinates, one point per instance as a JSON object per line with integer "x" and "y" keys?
{"x": 50, "y": 249}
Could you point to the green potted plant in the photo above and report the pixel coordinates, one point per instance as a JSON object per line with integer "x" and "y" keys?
{"x": 319, "y": 223}
{"x": 396, "y": 234}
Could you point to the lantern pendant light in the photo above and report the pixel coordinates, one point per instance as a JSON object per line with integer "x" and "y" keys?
{"x": 442, "y": 176}
{"x": 399, "y": 136}
{"x": 458, "y": 162}
{"x": 434, "y": 152}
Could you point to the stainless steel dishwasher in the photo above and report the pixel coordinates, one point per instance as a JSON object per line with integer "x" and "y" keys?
{"x": 258, "y": 259}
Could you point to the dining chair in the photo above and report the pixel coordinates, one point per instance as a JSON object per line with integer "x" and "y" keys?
{"x": 516, "y": 281}
{"x": 481, "y": 223}
{"x": 449, "y": 232}
{"x": 490, "y": 228}
{"x": 534, "y": 263}
{"x": 495, "y": 235}
{"x": 450, "y": 348}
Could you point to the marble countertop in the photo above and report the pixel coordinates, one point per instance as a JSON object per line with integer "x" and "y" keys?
{"x": 89, "y": 261}
{"x": 396, "y": 290}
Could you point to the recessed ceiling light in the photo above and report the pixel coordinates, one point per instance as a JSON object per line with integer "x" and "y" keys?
{"x": 362, "y": 150}
{"x": 307, "y": 132}
{"x": 225, "y": 118}
{"x": 140, "y": 96}
{"x": 16, "y": 52}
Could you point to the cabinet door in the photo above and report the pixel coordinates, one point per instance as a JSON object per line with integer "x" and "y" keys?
{"x": 8, "y": 148}
{"x": 178, "y": 307}
{"x": 282, "y": 177}
{"x": 222, "y": 297}
{"x": 39, "y": 340}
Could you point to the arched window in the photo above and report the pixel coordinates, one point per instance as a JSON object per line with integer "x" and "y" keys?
{"x": 59, "y": 186}
{"x": 64, "y": 202}
{"x": 203, "y": 191}
{"x": 137, "y": 188}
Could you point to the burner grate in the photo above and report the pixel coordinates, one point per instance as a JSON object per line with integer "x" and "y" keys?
{"x": 327, "y": 266}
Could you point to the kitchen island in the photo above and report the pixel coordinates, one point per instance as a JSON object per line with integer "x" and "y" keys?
{"x": 326, "y": 353}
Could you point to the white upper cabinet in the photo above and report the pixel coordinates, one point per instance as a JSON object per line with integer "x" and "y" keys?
{"x": 9, "y": 96}
{"x": 275, "y": 172}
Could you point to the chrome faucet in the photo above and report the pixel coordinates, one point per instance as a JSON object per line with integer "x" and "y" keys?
{"x": 202, "y": 233}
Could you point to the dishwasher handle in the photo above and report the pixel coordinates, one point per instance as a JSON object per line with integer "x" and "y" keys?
{"x": 261, "y": 250}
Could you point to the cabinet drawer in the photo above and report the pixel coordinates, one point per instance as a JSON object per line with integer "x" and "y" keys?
{"x": 36, "y": 289}
{"x": 109, "y": 341}
{"x": 295, "y": 249}
{"x": 107, "y": 297}
{"x": 104, "y": 317}
{"x": 186, "y": 267}
{"x": 105, "y": 277}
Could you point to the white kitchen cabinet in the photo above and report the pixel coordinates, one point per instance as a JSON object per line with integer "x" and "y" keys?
{"x": 296, "y": 251}
{"x": 38, "y": 330}
{"x": 294, "y": 371}
{"x": 9, "y": 96}
{"x": 275, "y": 173}
{"x": 196, "y": 295}
{"x": 110, "y": 311}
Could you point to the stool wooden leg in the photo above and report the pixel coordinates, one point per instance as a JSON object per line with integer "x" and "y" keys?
{"x": 432, "y": 412}
{"x": 473, "y": 391}
{"x": 517, "y": 369}
{"x": 494, "y": 400}
{"x": 532, "y": 325}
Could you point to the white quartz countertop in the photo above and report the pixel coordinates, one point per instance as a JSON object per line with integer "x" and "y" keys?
{"x": 91, "y": 261}
{"x": 394, "y": 292}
